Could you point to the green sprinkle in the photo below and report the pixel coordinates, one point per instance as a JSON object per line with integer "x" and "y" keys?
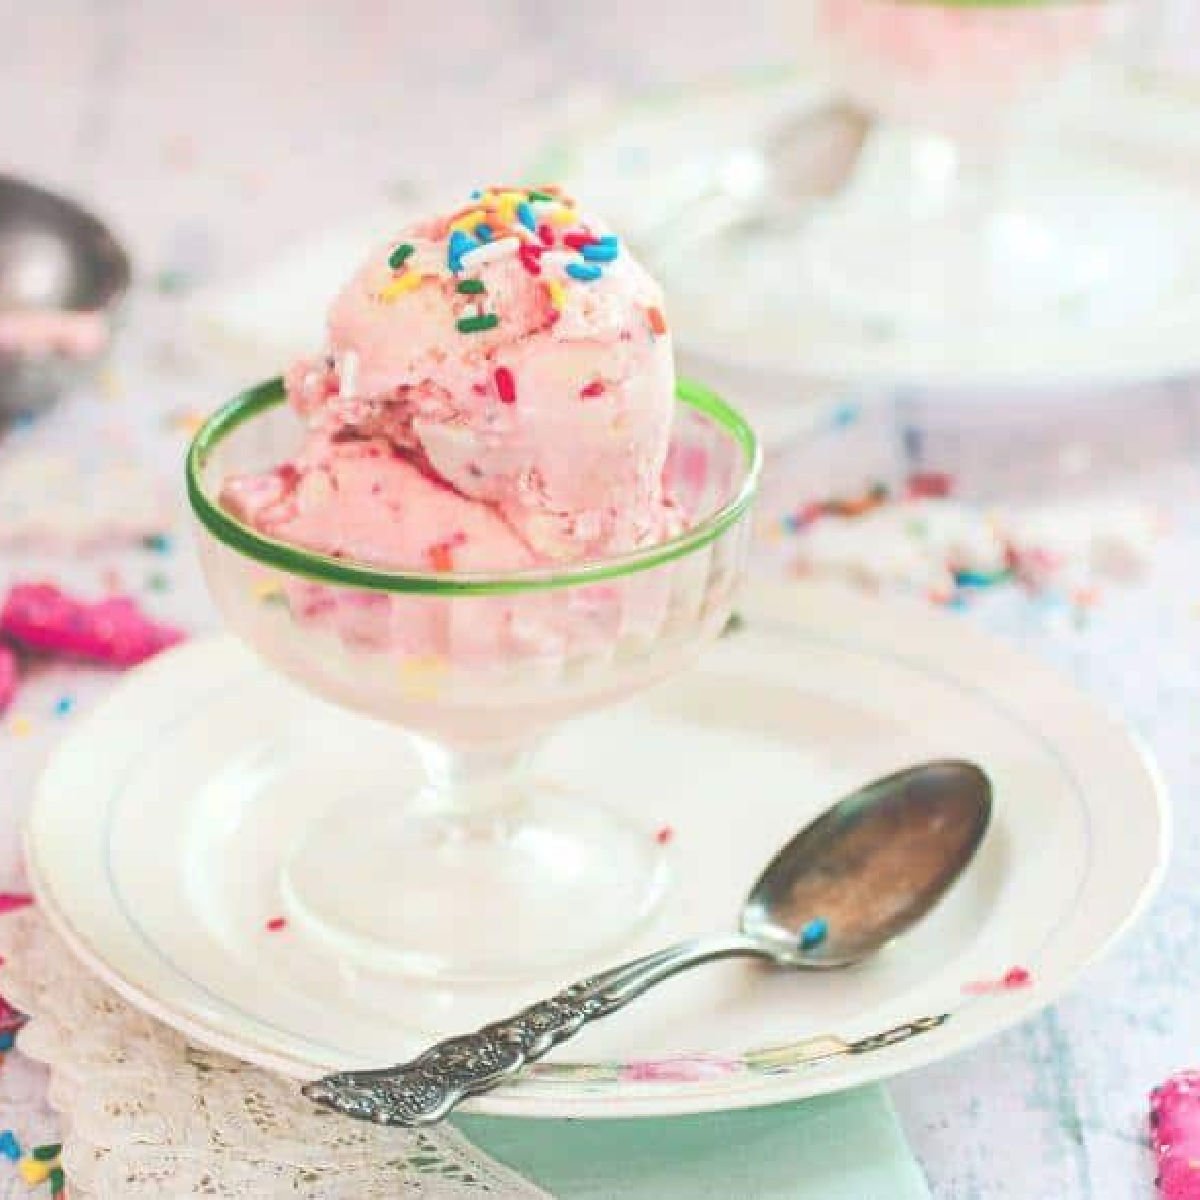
{"x": 541, "y": 196}
{"x": 47, "y": 1153}
{"x": 397, "y": 257}
{"x": 478, "y": 324}
{"x": 58, "y": 1181}
{"x": 470, "y": 287}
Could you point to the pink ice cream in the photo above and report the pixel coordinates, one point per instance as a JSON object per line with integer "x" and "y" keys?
{"x": 497, "y": 392}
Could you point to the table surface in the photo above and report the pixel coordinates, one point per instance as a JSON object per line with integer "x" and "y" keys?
{"x": 209, "y": 152}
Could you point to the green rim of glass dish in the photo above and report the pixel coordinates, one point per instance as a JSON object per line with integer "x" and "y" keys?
{"x": 326, "y": 569}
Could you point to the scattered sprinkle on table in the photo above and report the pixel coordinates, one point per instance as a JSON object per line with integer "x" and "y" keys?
{"x": 64, "y": 705}
{"x": 157, "y": 543}
{"x": 10, "y": 1148}
{"x": 275, "y": 924}
{"x": 665, "y": 835}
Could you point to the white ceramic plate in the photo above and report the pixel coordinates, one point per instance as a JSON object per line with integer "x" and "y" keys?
{"x": 1124, "y": 162}
{"x": 155, "y": 839}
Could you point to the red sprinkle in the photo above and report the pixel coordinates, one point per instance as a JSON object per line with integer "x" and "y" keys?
{"x": 530, "y": 256}
{"x": 664, "y": 835}
{"x": 577, "y": 239}
{"x": 275, "y": 924}
{"x": 933, "y": 485}
{"x": 441, "y": 557}
{"x": 595, "y": 388}
{"x": 1013, "y": 979}
{"x": 658, "y": 322}
{"x": 546, "y": 234}
{"x": 506, "y": 385}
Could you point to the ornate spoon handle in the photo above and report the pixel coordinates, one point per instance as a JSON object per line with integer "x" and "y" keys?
{"x": 424, "y": 1090}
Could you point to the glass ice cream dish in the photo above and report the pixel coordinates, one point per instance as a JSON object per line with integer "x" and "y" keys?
{"x": 487, "y": 508}
{"x": 952, "y": 85}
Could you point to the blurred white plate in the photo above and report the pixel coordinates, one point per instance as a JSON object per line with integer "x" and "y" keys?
{"x": 1128, "y": 145}
{"x": 156, "y": 835}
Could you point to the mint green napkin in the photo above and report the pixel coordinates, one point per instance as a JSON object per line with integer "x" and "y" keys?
{"x": 847, "y": 1146}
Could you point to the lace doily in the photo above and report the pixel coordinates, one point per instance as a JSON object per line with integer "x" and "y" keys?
{"x": 145, "y": 1114}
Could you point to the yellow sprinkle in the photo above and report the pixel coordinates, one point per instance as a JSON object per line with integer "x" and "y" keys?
{"x": 33, "y": 1171}
{"x": 563, "y": 216}
{"x": 420, "y": 676}
{"x": 466, "y": 224}
{"x": 400, "y": 285}
{"x": 506, "y": 206}
{"x": 266, "y": 589}
{"x": 20, "y": 726}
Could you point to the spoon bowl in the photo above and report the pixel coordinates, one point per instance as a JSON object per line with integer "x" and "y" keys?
{"x": 872, "y": 866}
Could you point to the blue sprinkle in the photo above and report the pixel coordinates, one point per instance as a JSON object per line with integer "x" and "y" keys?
{"x": 958, "y": 602}
{"x": 526, "y": 217}
{"x": 585, "y": 271}
{"x": 23, "y": 420}
{"x": 599, "y": 252}
{"x": 8, "y": 1039}
{"x": 814, "y": 933}
{"x": 979, "y": 579}
{"x": 476, "y": 195}
{"x": 460, "y": 243}
{"x": 160, "y": 543}
{"x": 63, "y": 705}
{"x": 483, "y": 232}
{"x": 844, "y": 415}
{"x": 9, "y": 1146}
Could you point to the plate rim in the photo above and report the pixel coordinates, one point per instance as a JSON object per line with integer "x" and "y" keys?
{"x": 774, "y": 604}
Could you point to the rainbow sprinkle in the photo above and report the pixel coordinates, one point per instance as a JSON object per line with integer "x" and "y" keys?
{"x": 814, "y": 933}
{"x": 477, "y": 324}
{"x": 397, "y": 257}
{"x": 407, "y": 282}
{"x": 540, "y": 227}
{"x": 506, "y": 386}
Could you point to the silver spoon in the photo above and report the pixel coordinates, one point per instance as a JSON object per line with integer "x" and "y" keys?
{"x": 807, "y": 157}
{"x": 861, "y": 874}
